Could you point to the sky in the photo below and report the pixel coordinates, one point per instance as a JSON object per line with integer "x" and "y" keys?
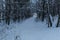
{"x": 34, "y": 1}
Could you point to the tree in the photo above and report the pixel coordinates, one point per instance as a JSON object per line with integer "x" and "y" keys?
{"x": 13, "y": 9}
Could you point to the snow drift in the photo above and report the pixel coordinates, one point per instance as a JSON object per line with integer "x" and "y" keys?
{"x": 31, "y": 30}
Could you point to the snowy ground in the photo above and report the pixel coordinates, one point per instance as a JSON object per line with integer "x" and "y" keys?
{"x": 31, "y": 30}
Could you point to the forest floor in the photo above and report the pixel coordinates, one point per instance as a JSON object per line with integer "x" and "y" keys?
{"x": 31, "y": 30}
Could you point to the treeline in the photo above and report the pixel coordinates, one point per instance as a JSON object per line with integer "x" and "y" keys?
{"x": 16, "y": 10}
{"x": 47, "y": 8}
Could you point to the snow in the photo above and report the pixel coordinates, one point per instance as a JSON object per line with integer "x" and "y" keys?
{"x": 31, "y": 30}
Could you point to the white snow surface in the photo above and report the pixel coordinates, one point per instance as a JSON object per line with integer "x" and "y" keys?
{"x": 31, "y": 30}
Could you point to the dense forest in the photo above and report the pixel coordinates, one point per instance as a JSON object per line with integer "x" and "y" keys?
{"x": 17, "y": 10}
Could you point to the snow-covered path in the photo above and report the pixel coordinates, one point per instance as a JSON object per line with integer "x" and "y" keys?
{"x": 30, "y": 30}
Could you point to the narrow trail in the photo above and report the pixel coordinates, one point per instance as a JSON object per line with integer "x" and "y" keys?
{"x": 30, "y": 30}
